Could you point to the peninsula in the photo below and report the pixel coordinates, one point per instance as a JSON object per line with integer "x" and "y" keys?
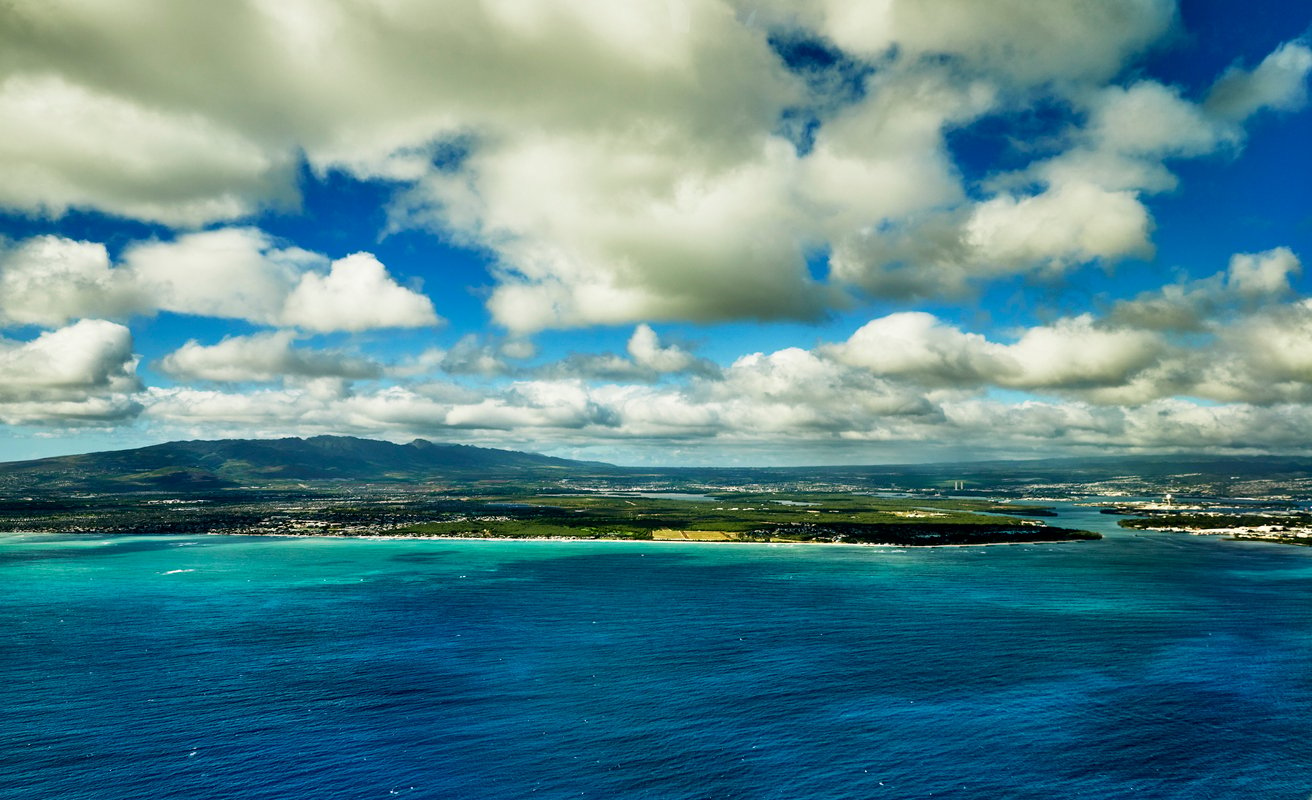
{"x": 341, "y": 486}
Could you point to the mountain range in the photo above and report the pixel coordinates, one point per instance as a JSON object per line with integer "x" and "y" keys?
{"x": 197, "y": 466}
{"x": 200, "y": 465}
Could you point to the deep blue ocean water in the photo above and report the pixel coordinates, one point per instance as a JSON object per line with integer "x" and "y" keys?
{"x": 1141, "y": 666}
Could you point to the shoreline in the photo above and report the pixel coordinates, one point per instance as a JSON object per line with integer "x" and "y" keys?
{"x": 555, "y": 539}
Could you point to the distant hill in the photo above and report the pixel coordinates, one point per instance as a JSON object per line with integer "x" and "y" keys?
{"x": 1218, "y": 475}
{"x": 203, "y": 465}
{"x": 1093, "y": 468}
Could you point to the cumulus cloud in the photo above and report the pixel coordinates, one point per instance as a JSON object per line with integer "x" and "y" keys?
{"x": 70, "y": 145}
{"x": 1279, "y": 345}
{"x": 795, "y": 389}
{"x": 666, "y": 160}
{"x": 759, "y": 394}
{"x": 648, "y": 360}
{"x": 755, "y": 404}
{"x": 1131, "y": 130}
{"x": 262, "y": 357}
{"x": 51, "y": 280}
{"x": 84, "y": 373}
{"x": 1090, "y": 206}
{"x": 570, "y": 105}
{"x": 648, "y": 352}
{"x": 626, "y": 164}
{"x": 1266, "y": 274}
{"x": 1072, "y": 354}
{"x": 357, "y": 294}
{"x": 1262, "y": 358}
{"x": 905, "y": 377}
{"x": 1252, "y": 280}
{"x": 533, "y": 404}
{"x": 901, "y": 381}
{"x": 1084, "y": 204}
{"x": 472, "y": 355}
{"x": 1128, "y": 135}
{"x": 1151, "y": 119}
{"x": 1163, "y": 425}
{"x": 670, "y": 236}
{"x": 1070, "y": 224}
{"x": 231, "y": 273}
{"x": 920, "y": 346}
{"x": 1231, "y": 338}
{"x": 1020, "y": 43}
{"x": 1078, "y": 353}
{"x": 1279, "y": 82}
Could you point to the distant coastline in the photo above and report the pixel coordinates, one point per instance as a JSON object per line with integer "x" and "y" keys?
{"x": 389, "y": 536}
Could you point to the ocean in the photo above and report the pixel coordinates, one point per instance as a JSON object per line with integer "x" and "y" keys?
{"x": 1140, "y": 666}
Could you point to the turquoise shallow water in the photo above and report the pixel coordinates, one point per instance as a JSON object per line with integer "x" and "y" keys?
{"x": 1151, "y": 666}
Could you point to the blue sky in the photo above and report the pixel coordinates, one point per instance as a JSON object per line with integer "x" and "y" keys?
{"x": 659, "y": 232}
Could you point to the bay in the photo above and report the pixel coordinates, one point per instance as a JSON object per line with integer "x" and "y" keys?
{"x": 1139, "y": 666}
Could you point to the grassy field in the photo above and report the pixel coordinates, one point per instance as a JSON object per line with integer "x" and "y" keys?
{"x": 694, "y": 536}
{"x": 751, "y": 517}
{"x": 518, "y": 512}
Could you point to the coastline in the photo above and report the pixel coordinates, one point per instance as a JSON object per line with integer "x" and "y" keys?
{"x": 555, "y": 539}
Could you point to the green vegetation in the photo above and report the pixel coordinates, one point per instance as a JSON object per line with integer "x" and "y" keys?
{"x": 483, "y": 527}
{"x": 810, "y": 517}
{"x": 520, "y": 512}
{"x": 1214, "y": 521}
{"x": 1275, "y": 526}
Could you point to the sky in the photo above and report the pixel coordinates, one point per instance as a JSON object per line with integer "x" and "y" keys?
{"x": 659, "y": 232}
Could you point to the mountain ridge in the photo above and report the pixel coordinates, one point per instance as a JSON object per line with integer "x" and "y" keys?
{"x": 200, "y": 465}
{"x": 223, "y": 463}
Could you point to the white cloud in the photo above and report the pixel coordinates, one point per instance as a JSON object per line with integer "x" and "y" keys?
{"x": 357, "y": 294}
{"x": 472, "y": 355}
{"x": 229, "y": 273}
{"x": 904, "y": 381}
{"x": 622, "y": 164}
{"x": 1150, "y": 119}
{"x": 262, "y": 357}
{"x": 71, "y": 146}
{"x": 759, "y": 396}
{"x": 1071, "y": 355}
{"x": 50, "y": 281}
{"x": 1089, "y": 202}
{"x": 1076, "y": 353}
{"x": 1068, "y": 225}
{"x": 1267, "y": 274}
{"x": 1083, "y": 205}
{"x": 1130, "y": 132}
{"x": 84, "y": 373}
{"x": 614, "y": 228}
{"x": 1251, "y": 281}
{"x": 921, "y": 347}
{"x": 1262, "y": 358}
{"x": 1279, "y": 82}
{"x": 796, "y": 389}
{"x": 713, "y": 422}
{"x": 531, "y": 404}
{"x": 883, "y": 157}
{"x": 1012, "y": 41}
{"x": 647, "y": 351}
